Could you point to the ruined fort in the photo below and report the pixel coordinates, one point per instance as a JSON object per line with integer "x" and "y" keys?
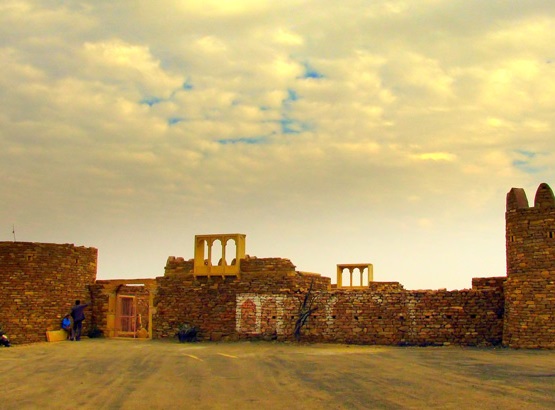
{"x": 228, "y": 295}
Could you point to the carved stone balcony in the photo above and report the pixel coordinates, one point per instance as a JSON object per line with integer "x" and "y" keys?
{"x": 219, "y": 254}
{"x": 365, "y": 270}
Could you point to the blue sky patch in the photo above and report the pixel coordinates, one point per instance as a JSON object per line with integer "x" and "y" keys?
{"x": 526, "y": 167}
{"x": 528, "y": 154}
{"x": 243, "y": 140}
{"x": 290, "y": 126}
{"x": 150, "y": 101}
{"x": 525, "y": 164}
{"x": 292, "y": 96}
{"x": 174, "y": 120}
{"x": 310, "y": 72}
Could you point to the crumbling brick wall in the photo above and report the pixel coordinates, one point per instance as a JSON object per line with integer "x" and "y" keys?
{"x": 39, "y": 283}
{"x": 264, "y": 303}
{"x": 100, "y": 307}
{"x": 399, "y": 317}
{"x": 178, "y": 265}
{"x": 210, "y": 303}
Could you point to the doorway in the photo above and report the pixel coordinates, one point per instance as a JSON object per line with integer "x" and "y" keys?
{"x": 126, "y": 316}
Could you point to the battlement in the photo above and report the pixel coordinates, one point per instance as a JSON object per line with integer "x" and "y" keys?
{"x": 544, "y": 199}
{"x": 530, "y": 231}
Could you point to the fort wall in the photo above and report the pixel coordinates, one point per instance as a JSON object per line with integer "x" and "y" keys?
{"x": 264, "y": 304}
{"x": 260, "y": 298}
{"x": 210, "y": 303}
{"x": 420, "y": 318}
{"x": 39, "y": 283}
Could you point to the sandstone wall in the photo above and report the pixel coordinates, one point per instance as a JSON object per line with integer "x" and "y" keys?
{"x": 265, "y": 301}
{"x": 210, "y": 303}
{"x": 101, "y": 306}
{"x": 38, "y": 285}
{"x": 399, "y": 317}
{"x": 530, "y": 311}
{"x": 176, "y": 265}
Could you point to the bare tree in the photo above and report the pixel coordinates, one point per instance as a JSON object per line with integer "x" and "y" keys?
{"x": 305, "y": 310}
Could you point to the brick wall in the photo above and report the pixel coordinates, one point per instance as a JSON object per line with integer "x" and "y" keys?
{"x": 178, "y": 265}
{"x": 264, "y": 303}
{"x": 100, "y": 308}
{"x": 394, "y": 317}
{"x": 530, "y": 311}
{"x": 210, "y": 303}
{"x": 38, "y": 285}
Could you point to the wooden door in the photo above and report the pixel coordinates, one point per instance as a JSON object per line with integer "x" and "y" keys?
{"x": 126, "y": 317}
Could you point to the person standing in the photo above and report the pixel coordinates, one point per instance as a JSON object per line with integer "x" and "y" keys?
{"x": 78, "y": 315}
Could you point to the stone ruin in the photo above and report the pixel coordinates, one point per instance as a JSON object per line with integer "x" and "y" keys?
{"x": 229, "y": 295}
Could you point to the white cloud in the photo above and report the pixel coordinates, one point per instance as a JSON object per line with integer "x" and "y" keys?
{"x": 436, "y": 156}
{"x": 124, "y": 65}
{"x": 287, "y": 37}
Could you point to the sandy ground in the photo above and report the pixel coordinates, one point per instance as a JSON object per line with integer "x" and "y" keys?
{"x": 126, "y": 374}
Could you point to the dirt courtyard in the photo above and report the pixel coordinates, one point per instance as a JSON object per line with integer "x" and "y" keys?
{"x": 127, "y": 374}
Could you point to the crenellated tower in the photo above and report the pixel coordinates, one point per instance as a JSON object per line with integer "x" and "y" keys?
{"x": 530, "y": 231}
{"x": 530, "y": 286}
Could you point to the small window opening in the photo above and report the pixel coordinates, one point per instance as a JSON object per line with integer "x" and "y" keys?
{"x": 551, "y": 234}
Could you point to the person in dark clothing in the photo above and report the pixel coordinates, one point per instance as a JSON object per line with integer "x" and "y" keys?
{"x": 78, "y": 315}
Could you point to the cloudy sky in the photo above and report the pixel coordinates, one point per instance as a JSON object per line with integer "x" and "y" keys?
{"x": 327, "y": 131}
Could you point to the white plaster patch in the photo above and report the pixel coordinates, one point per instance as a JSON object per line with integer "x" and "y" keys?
{"x": 260, "y": 302}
